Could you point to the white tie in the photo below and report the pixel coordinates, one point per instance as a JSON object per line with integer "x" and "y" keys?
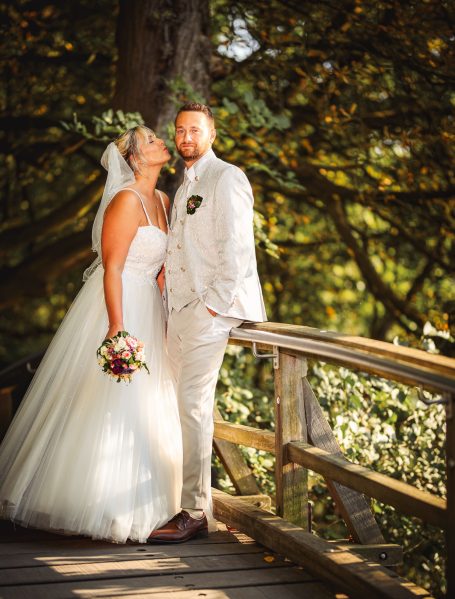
{"x": 186, "y": 182}
{"x": 185, "y": 189}
{"x": 180, "y": 197}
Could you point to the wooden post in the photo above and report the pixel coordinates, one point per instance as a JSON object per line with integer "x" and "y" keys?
{"x": 450, "y": 457}
{"x": 291, "y": 479}
{"x": 353, "y": 506}
{"x": 232, "y": 459}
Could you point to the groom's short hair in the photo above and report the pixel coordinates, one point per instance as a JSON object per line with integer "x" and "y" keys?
{"x": 196, "y": 107}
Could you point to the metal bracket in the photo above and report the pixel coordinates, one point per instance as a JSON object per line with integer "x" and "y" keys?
{"x": 444, "y": 399}
{"x": 275, "y": 355}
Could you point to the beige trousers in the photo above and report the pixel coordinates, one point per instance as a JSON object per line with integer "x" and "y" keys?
{"x": 196, "y": 342}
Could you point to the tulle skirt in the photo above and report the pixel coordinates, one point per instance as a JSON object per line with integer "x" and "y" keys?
{"x": 85, "y": 454}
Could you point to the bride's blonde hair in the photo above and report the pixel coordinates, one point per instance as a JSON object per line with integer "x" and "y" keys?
{"x": 127, "y": 144}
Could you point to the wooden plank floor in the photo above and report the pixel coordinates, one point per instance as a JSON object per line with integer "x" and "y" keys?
{"x": 40, "y": 565}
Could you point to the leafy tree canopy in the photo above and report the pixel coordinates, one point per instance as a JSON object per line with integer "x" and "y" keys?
{"x": 339, "y": 112}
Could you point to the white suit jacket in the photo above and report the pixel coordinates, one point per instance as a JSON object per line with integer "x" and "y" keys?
{"x": 211, "y": 253}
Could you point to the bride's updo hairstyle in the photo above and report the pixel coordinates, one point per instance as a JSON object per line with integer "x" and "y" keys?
{"x": 128, "y": 146}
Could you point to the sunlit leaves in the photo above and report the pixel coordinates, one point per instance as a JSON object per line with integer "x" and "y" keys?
{"x": 103, "y": 128}
{"x": 374, "y": 124}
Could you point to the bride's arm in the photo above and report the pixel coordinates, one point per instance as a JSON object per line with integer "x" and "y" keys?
{"x": 160, "y": 279}
{"x": 120, "y": 225}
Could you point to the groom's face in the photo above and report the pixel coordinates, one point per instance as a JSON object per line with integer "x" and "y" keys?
{"x": 194, "y": 135}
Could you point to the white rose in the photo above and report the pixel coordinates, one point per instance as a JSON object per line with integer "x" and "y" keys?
{"x": 121, "y": 344}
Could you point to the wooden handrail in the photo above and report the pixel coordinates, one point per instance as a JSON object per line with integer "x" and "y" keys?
{"x": 410, "y": 366}
{"x": 311, "y": 443}
{"x": 408, "y": 355}
{"x": 14, "y": 373}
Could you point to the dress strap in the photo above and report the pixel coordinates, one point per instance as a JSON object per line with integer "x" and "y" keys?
{"x": 142, "y": 202}
{"x": 164, "y": 207}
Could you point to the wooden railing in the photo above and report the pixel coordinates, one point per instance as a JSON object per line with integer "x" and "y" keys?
{"x": 303, "y": 440}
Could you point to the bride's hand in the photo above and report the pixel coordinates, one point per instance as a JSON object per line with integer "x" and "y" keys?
{"x": 113, "y": 329}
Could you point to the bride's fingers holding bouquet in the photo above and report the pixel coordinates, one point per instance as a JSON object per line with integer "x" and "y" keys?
{"x": 114, "y": 329}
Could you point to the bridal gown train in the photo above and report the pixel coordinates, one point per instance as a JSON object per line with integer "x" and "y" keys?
{"x": 85, "y": 454}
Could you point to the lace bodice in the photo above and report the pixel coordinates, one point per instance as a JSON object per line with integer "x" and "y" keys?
{"x": 147, "y": 250}
{"x": 146, "y": 254}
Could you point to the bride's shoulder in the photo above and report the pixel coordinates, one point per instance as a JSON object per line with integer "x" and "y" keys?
{"x": 125, "y": 194}
{"x": 124, "y": 201}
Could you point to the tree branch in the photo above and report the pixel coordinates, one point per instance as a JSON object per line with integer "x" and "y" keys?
{"x": 381, "y": 327}
{"x": 415, "y": 241}
{"x": 397, "y": 306}
{"x": 303, "y": 246}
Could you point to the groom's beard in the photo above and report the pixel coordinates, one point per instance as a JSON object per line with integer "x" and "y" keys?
{"x": 189, "y": 153}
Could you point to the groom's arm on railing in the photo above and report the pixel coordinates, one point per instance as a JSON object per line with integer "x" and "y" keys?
{"x": 234, "y": 237}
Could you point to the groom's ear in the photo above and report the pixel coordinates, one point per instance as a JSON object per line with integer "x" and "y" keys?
{"x": 212, "y": 136}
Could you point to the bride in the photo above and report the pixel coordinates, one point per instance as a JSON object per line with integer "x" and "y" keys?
{"x": 84, "y": 454}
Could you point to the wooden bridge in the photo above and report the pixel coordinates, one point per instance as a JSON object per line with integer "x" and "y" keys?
{"x": 268, "y": 554}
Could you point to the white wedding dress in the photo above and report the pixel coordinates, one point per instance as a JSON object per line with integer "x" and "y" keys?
{"x": 85, "y": 454}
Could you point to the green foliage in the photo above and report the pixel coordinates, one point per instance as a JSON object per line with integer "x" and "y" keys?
{"x": 182, "y": 91}
{"x": 263, "y": 241}
{"x": 384, "y": 426}
{"x": 104, "y": 128}
{"x": 321, "y": 104}
{"x": 363, "y": 91}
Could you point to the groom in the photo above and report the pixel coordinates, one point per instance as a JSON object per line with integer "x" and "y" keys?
{"x": 212, "y": 286}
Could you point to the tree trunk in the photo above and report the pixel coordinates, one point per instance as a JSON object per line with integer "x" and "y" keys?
{"x": 161, "y": 41}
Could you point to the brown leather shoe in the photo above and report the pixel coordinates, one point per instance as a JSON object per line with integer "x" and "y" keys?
{"x": 182, "y": 527}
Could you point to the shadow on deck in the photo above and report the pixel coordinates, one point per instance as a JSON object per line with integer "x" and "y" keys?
{"x": 36, "y": 564}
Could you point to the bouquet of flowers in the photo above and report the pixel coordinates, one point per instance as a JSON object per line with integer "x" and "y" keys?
{"x": 121, "y": 355}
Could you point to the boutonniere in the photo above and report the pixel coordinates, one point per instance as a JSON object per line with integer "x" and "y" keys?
{"x": 193, "y": 203}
